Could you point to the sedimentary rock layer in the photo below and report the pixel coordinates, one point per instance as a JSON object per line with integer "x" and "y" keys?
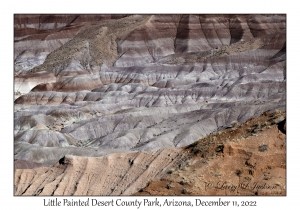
{"x": 252, "y": 162}
{"x": 94, "y": 85}
{"x": 124, "y": 174}
{"x": 252, "y": 154}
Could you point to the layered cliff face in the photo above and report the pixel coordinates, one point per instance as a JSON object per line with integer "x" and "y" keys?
{"x": 111, "y": 85}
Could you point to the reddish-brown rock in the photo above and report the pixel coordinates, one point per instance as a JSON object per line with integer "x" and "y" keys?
{"x": 98, "y": 88}
{"x": 248, "y": 159}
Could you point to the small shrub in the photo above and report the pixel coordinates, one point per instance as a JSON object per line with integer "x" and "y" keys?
{"x": 239, "y": 172}
{"x": 263, "y": 148}
{"x": 234, "y": 123}
{"x": 170, "y": 171}
{"x": 219, "y": 148}
{"x": 182, "y": 182}
{"x": 196, "y": 151}
{"x": 248, "y": 178}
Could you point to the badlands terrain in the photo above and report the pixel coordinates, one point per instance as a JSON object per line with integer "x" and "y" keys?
{"x": 150, "y": 104}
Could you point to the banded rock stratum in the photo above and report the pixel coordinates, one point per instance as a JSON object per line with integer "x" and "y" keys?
{"x": 129, "y": 94}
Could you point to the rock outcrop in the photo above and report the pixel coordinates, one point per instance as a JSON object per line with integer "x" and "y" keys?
{"x": 247, "y": 159}
{"x": 94, "y": 86}
{"x": 251, "y": 161}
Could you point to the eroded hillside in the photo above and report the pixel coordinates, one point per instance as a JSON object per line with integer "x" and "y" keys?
{"x": 247, "y": 159}
{"x": 96, "y": 87}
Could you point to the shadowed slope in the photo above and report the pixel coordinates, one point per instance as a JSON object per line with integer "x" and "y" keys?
{"x": 110, "y": 84}
{"x": 253, "y": 152}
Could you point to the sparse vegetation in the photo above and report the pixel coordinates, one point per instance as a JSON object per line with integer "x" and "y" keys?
{"x": 263, "y": 148}
{"x": 248, "y": 178}
{"x": 234, "y": 123}
{"x": 182, "y": 182}
{"x": 219, "y": 148}
{"x": 239, "y": 172}
{"x": 170, "y": 171}
{"x": 135, "y": 113}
